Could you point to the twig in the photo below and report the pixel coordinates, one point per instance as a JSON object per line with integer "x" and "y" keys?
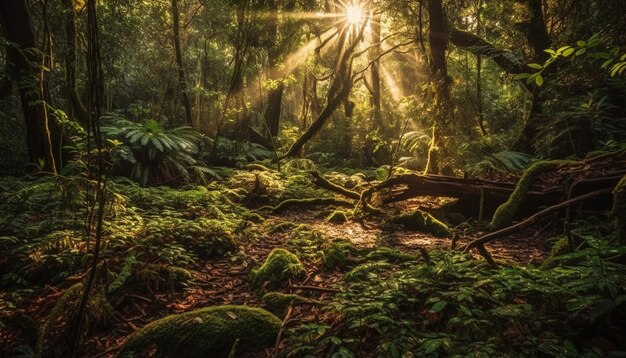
{"x": 282, "y": 329}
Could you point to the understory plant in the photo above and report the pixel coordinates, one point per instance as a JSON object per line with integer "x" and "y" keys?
{"x": 154, "y": 154}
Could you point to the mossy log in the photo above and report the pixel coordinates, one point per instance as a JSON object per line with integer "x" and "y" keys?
{"x": 280, "y": 266}
{"x": 206, "y": 332}
{"x": 619, "y": 210}
{"x": 507, "y": 211}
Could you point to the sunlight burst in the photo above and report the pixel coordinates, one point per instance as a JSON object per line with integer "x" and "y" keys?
{"x": 354, "y": 14}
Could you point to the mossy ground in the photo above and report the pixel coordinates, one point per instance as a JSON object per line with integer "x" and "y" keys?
{"x": 206, "y": 332}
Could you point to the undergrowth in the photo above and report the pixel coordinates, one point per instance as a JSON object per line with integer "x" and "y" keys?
{"x": 457, "y": 306}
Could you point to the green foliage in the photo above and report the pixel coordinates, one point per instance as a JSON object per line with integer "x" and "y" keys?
{"x": 204, "y": 237}
{"x": 210, "y": 331}
{"x": 280, "y": 266}
{"x": 335, "y": 256}
{"x": 156, "y": 154}
{"x": 231, "y": 152}
{"x": 390, "y": 255}
{"x": 459, "y": 307}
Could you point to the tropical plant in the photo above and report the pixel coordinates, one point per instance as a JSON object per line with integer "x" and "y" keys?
{"x": 157, "y": 155}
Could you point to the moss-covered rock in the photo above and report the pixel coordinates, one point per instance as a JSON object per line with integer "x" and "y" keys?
{"x": 206, "y": 332}
{"x": 423, "y": 222}
{"x": 335, "y": 255}
{"x": 279, "y": 266}
{"x": 619, "y": 210}
{"x": 337, "y": 217}
{"x": 506, "y": 212}
{"x": 277, "y": 302}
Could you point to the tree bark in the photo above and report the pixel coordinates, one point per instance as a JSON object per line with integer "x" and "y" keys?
{"x": 77, "y": 109}
{"x": 180, "y": 64}
{"x": 275, "y": 94}
{"x": 439, "y": 78}
{"x": 25, "y": 60}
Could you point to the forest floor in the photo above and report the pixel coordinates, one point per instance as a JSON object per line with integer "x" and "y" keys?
{"x": 224, "y": 280}
{"x": 165, "y": 227}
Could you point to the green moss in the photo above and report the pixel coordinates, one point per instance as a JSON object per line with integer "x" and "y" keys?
{"x": 277, "y": 302}
{"x": 619, "y": 210}
{"x": 391, "y": 255}
{"x": 423, "y": 222}
{"x": 206, "y": 332}
{"x": 506, "y": 212}
{"x": 336, "y": 254}
{"x": 279, "y": 266}
{"x": 337, "y": 217}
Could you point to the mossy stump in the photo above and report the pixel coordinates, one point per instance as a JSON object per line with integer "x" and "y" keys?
{"x": 424, "y": 222}
{"x": 206, "y": 332}
{"x": 619, "y": 210}
{"x": 280, "y": 266}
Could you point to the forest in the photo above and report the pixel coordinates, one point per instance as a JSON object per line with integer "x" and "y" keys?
{"x": 312, "y": 178}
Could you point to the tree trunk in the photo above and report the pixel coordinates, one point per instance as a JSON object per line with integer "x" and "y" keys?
{"x": 26, "y": 73}
{"x": 376, "y": 117}
{"x": 77, "y": 109}
{"x": 179, "y": 63}
{"x": 275, "y": 94}
{"x": 439, "y": 78}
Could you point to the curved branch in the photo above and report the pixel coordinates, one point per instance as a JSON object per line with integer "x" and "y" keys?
{"x": 508, "y": 61}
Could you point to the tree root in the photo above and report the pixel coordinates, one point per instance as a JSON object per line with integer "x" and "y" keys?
{"x": 290, "y": 203}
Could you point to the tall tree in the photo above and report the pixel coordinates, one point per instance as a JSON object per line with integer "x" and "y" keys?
{"x": 438, "y": 66}
{"x": 77, "y": 108}
{"x": 275, "y": 94}
{"x": 182, "y": 82}
{"x": 25, "y": 70}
